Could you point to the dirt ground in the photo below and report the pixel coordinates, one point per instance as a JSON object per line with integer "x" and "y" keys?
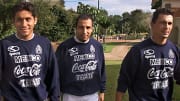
{"x": 117, "y": 53}
{"x": 120, "y": 51}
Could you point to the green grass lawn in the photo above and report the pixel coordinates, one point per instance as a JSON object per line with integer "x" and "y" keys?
{"x": 112, "y": 70}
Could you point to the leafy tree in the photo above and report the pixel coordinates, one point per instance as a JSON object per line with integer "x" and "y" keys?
{"x": 115, "y": 20}
{"x": 62, "y": 2}
{"x": 138, "y": 21}
{"x": 46, "y": 19}
{"x": 6, "y": 27}
{"x": 54, "y": 21}
{"x": 64, "y": 24}
{"x": 157, "y": 4}
{"x": 125, "y": 22}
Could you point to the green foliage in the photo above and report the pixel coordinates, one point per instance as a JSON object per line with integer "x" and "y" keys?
{"x": 56, "y": 23}
{"x": 46, "y": 19}
{"x": 115, "y": 20}
{"x": 5, "y": 18}
{"x": 138, "y": 21}
{"x": 157, "y": 4}
{"x": 104, "y": 22}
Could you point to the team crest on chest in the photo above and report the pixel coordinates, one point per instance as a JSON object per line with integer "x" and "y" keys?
{"x": 92, "y": 49}
{"x": 171, "y": 54}
{"x": 38, "y": 49}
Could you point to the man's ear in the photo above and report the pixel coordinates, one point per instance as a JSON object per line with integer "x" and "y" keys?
{"x": 35, "y": 20}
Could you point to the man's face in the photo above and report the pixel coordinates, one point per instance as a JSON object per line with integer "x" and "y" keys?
{"x": 84, "y": 29}
{"x": 24, "y": 23}
{"x": 161, "y": 29}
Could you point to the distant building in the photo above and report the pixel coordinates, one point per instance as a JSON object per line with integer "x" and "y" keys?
{"x": 174, "y": 5}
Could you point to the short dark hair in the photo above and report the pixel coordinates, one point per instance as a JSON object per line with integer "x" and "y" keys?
{"x": 24, "y": 6}
{"x": 159, "y": 11}
{"x": 84, "y": 17}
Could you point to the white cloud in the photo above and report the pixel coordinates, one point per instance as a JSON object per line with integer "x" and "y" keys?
{"x": 114, "y": 7}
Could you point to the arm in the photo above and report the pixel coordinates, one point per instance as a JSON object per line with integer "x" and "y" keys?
{"x": 101, "y": 97}
{"x": 119, "y": 96}
{"x": 0, "y": 70}
{"x": 177, "y": 68}
{"x": 102, "y": 73}
{"x": 52, "y": 77}
{"x": 60, "y": 59}
{"x": 128, "y": 72}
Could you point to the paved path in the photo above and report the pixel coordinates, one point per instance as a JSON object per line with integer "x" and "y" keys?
{"x": 119, "y": 52}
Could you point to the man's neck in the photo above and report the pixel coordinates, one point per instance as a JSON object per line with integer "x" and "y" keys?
{"x": 77, "y": 40}
{"x": 159, "y": 41}
{"x": 24, "y": 38}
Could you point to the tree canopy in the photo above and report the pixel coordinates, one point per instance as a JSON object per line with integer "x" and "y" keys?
{"x": 57, "y": 23}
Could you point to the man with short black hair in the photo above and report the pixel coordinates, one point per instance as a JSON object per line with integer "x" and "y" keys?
{"x": 27, "y": 60}
{"x": 81, "y": 64}
{"x": 147, "y": 70}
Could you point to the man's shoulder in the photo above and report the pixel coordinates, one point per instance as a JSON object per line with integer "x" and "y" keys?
{"x": 95, "y": 41}
{"x": 10, "y": 38}
{"x": 41, "y": 38}
{"x": 143, "y": 43}
{"x": 171, "y": 43}
{"x": 67, "y": 43}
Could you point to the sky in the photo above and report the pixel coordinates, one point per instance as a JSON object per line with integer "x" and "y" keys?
{"x": 114, "y": 7}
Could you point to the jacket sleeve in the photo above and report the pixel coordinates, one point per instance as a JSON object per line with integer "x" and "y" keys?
{"x": 0, "y": 69}
{"x": 59, "y": 56}
{"x": 102, "y": 72}
{"x": 128, "y": 70}
{"x": 52, "y": 78}
{"x": 177, "y": 68}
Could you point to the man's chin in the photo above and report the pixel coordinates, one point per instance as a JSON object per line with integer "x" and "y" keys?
{"x": 23, "y": 33}
{"x": 85, "y": 39}
{"x": 165, "y": 37}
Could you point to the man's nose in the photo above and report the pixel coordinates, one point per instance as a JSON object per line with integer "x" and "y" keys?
{"x": 84, "y": 30}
